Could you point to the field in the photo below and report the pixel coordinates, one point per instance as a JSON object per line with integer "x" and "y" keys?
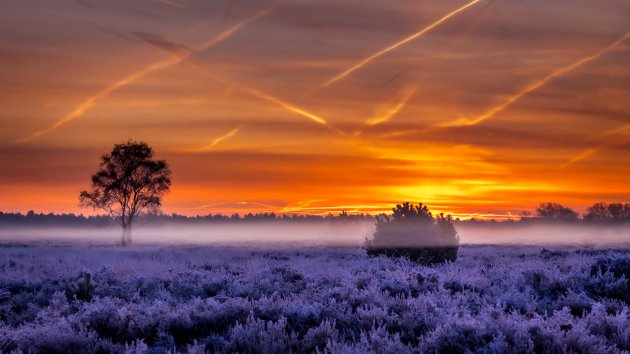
{"x": 275, "y": 299}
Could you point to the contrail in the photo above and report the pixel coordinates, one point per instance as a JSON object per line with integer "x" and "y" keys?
{"x": 502, "y": 53}
{"x": 257, "y": 93}
{"x": 387, "y": 114}
{"x": 269, "y": 98}
{"x": 621, "y": 129}
{"x": 91, "y": 101}
{"x": 534, "y": 86}
{"x": 87, "y": 104}
{"x": 590, "y": 151}
{"x": 172, "y": 3}
{"x": 230, "y": 31}
{"x": 584, "y": 154}
{"x": 399, "y": 44}
{"x": 217, "y": 140}
{"x": 286, "y": 105}
{"x": 230, "y": 134}
{"x": 290, "y": 107}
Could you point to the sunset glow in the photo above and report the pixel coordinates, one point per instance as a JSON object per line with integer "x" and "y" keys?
{"x": 477, "y": 108}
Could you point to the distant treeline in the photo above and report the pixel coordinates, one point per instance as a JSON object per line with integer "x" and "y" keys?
{"x": 603, "y": 213}
{"x": 62, "y": 220}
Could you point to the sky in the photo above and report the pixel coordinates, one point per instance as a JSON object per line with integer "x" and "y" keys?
{"x": 481, "y": 108}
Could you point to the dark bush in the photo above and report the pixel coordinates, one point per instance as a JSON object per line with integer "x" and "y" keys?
{"x": 83, "y": 289}
{"x": 619, "y": 266}
{"x": 412, "y": 232}
{"x": 610, "y": 278}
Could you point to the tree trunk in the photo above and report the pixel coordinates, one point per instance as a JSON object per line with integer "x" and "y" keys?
{"x": 126, "y": 236}
{"x": 128, "y": 242}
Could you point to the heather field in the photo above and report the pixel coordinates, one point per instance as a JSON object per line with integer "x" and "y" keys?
{"x": 281, "y": 299}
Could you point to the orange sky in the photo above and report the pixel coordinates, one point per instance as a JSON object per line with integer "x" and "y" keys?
{"x": 476, "y": 108}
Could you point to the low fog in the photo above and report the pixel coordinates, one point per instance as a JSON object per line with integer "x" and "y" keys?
{"x": 545, "y": 234}
{"x": 270, "y": 232}
{"x": 333, "y": 233}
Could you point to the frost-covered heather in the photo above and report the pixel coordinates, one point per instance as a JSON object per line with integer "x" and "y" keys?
{"x": 228, "y": 299}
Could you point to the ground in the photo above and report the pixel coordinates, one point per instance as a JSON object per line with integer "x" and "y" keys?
{"x": 268, "y": 299}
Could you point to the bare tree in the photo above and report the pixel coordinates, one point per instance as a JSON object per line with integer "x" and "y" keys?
{"x": 598, "y": 212}
{"x": 616, "y": 211}
{"x": 553, "y": 211}
{"x": 129, "y": 182}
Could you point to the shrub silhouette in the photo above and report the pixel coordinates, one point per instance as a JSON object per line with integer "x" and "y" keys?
{"x": 83, "y": 289}
{"x": 412, "y": 231}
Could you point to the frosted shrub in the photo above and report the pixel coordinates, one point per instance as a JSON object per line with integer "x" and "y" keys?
{"x": 412, "y": 231}
{"x": 610, "y": 278}
{"x": 259, "y": 336}
{"x": 318, "y": 337}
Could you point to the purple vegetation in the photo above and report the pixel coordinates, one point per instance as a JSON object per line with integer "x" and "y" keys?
{"x": 493, "y": 299}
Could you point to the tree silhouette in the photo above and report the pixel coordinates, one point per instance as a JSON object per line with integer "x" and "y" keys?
{"x": 598, "y": 212}
{"x": 557, "y": 212}
{"x": 602, "y": 212}
{"x": 129, "y": 182}
{"x": 616, "y": 211}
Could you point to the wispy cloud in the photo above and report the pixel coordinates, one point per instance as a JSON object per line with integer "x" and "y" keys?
{"x": 87, "y": 94}
{"x": 272, "y": 99}
{"x": 535, "y": 86}
{"x": 161, "y": 43}
{"x": 173, "y": 4}
{"x": 215, "y": 141}
{"x": 164, "y": 44}
{"x": 590, "y": 151}
{"x": 581, "y": 156}
{"x": 397, "y": 44}
{"x": 91, "y": 101}
{"x": 387, "y": 113}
